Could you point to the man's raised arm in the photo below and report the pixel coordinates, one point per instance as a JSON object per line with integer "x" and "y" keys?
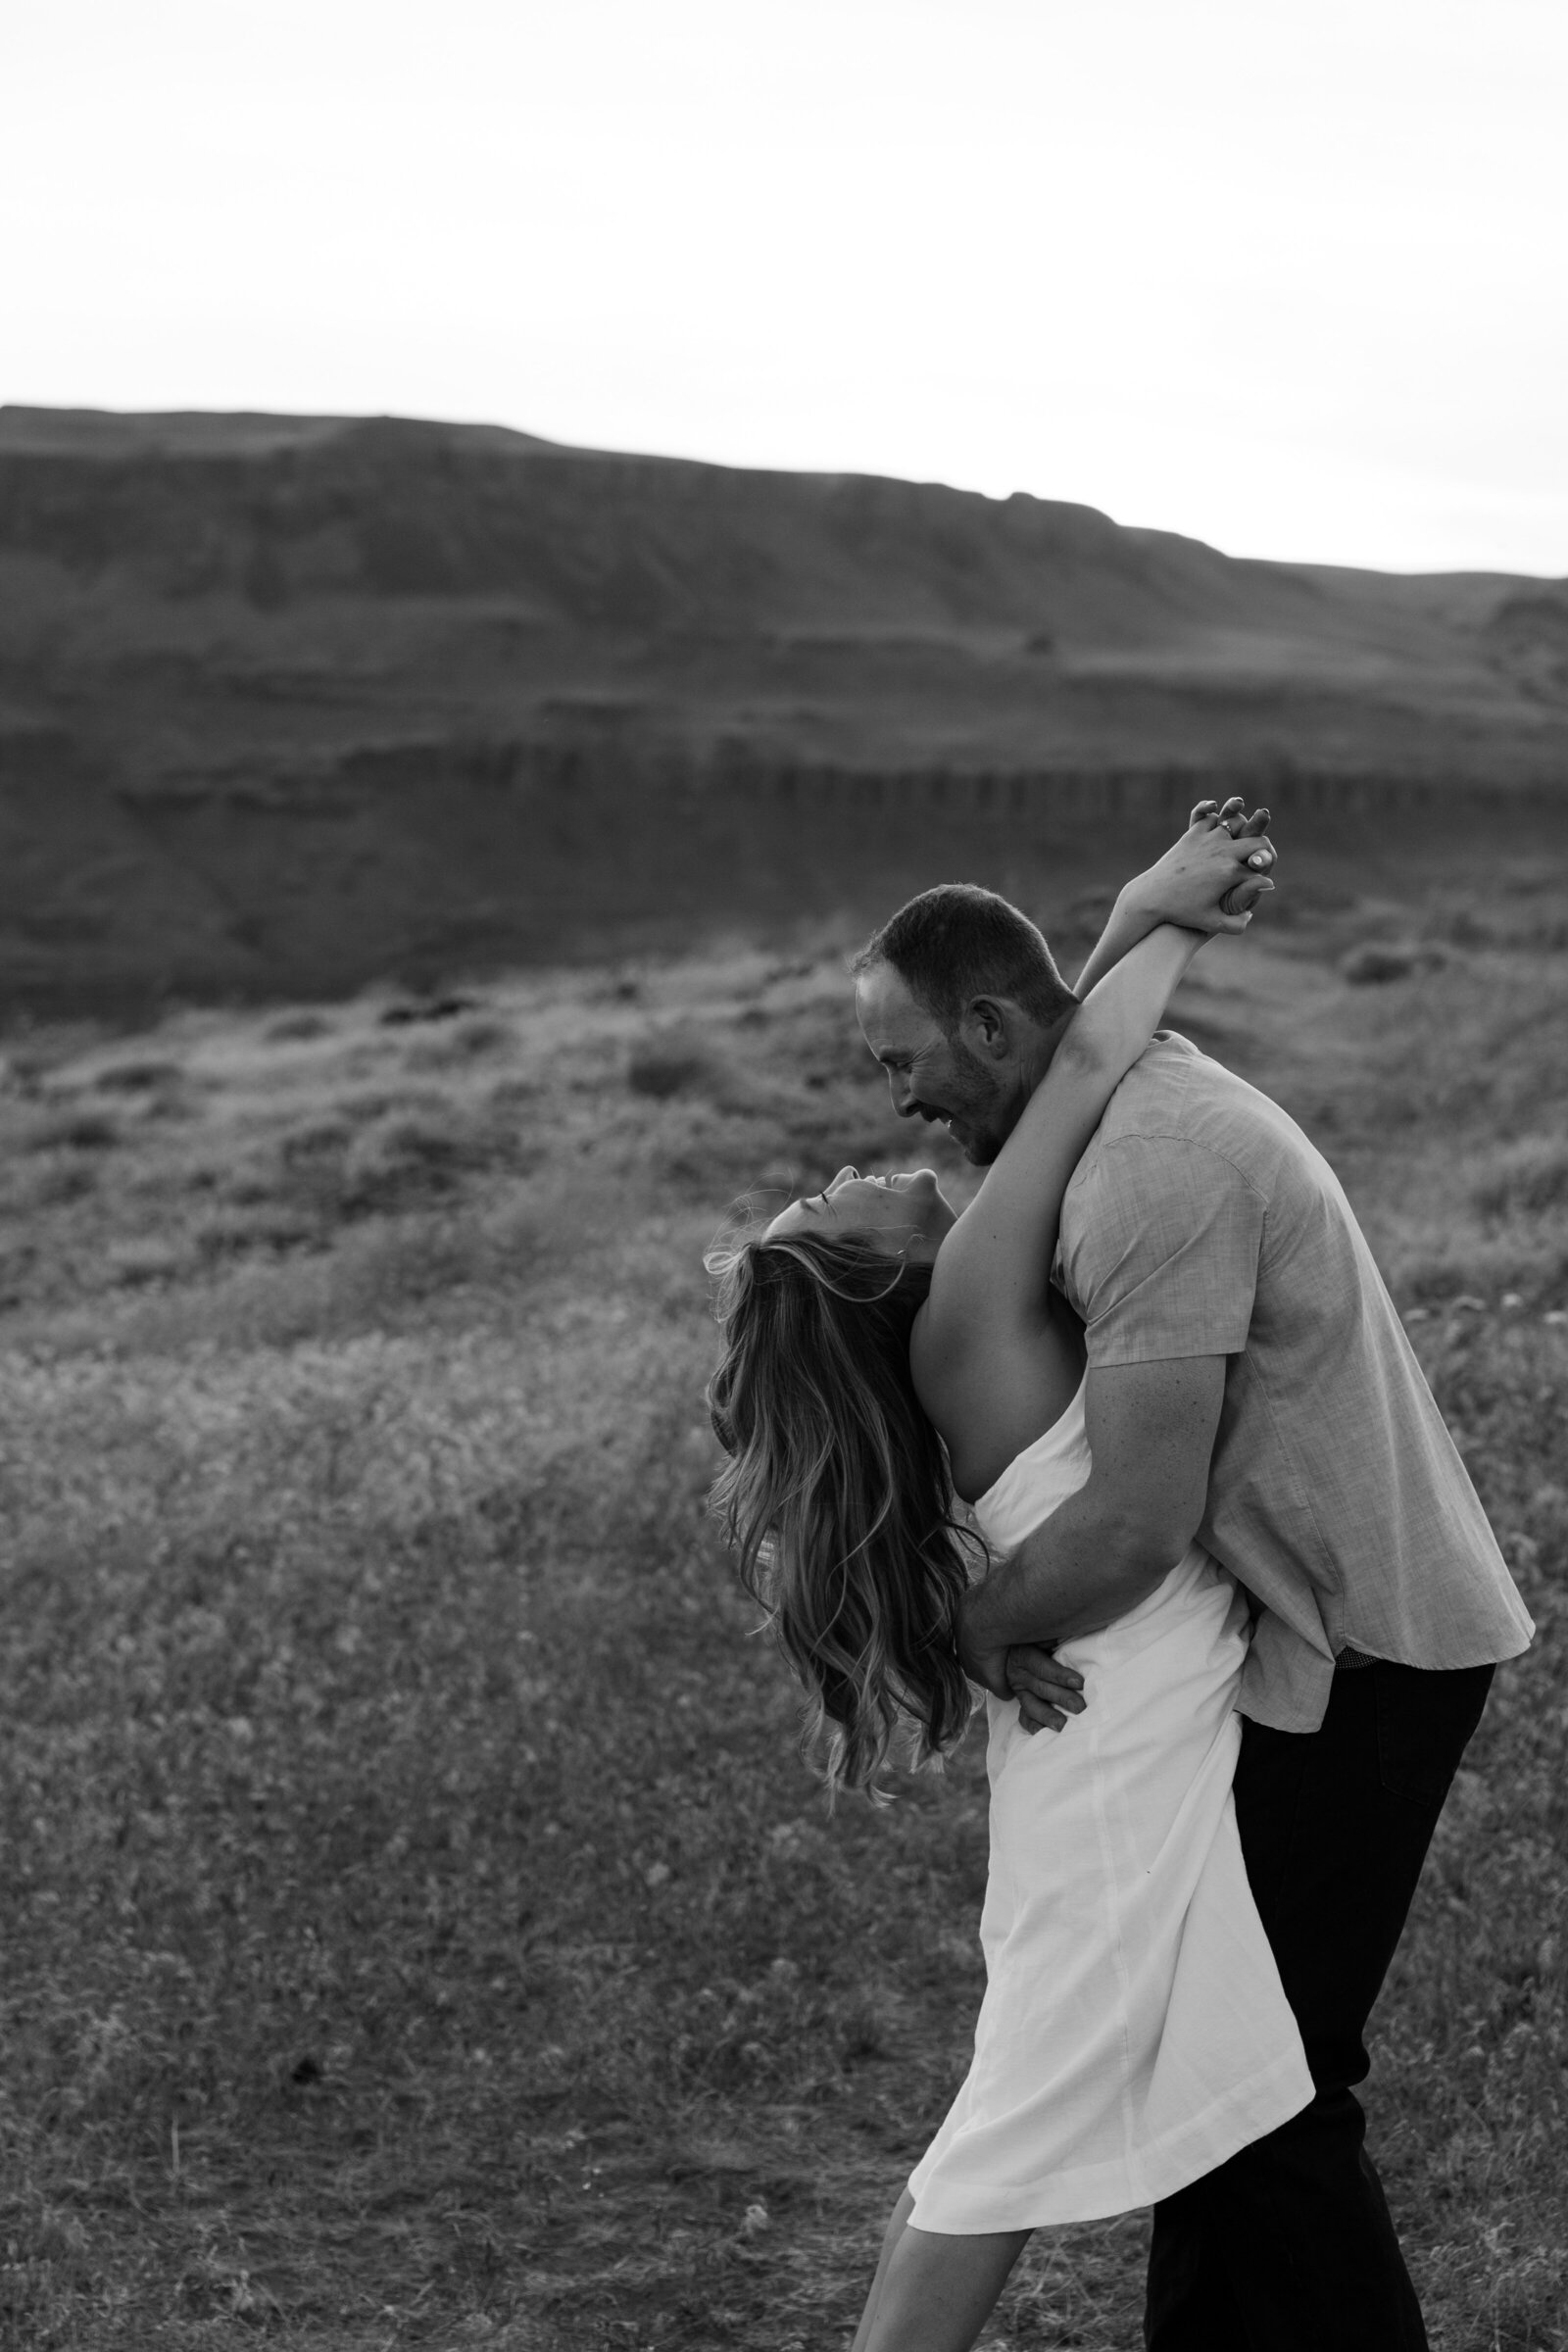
{"x": 1151, "y": 1429}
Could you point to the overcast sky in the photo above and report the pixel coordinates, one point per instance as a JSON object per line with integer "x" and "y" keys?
{"x": 1287, "y": 274}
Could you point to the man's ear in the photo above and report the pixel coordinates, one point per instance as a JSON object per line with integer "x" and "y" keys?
{"x": 989, "y": 1028}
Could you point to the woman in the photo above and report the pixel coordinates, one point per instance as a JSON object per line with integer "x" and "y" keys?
{"x": 1132, "y": 2033}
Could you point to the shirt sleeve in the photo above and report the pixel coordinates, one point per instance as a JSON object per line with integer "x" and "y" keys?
{"x": 1160, "y": 1246}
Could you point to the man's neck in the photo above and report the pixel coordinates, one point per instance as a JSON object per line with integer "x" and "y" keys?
{"x": 1033, "y": 1061}
{"x": 1038, "y": 1057}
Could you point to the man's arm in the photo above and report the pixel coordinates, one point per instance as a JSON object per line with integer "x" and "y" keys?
{"x": 1152, "y": 1432}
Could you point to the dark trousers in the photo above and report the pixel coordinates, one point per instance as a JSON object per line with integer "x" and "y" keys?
{"x": 1288, "y": 2248}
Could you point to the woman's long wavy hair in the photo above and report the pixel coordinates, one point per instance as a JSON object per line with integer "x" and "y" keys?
{"x": 837, "y": 1496}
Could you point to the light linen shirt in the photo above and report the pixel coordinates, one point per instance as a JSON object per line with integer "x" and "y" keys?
{"x": 1202, "y": 1222}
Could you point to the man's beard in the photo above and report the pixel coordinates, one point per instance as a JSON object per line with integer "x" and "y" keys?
{"x": 977, "y": 1113}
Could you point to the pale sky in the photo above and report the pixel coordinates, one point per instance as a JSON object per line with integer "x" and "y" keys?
{"x": 1286, "y": 275}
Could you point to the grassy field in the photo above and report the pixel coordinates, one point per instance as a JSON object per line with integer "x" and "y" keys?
{"x": 419, "y": 1927}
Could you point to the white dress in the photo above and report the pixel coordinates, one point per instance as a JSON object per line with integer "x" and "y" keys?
{"x": 1134, "y": 2033}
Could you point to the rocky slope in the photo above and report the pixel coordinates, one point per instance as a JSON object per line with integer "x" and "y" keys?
{"x": 287, "y": 702}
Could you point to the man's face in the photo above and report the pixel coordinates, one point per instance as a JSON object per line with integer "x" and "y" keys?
{"x": 932, "y": 1076}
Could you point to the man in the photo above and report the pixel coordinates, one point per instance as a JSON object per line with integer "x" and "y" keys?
{"x": 1249, "y": 1384}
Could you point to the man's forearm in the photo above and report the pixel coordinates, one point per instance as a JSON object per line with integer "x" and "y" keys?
{"x": 1089, "y": 1563}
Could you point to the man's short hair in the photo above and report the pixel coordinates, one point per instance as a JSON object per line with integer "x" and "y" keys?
{"x": 958, "y": 941}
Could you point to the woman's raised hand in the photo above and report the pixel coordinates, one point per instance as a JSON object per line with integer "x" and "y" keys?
{"x": 1213, "y": 876}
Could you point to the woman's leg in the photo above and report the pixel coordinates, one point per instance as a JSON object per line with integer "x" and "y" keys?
{"x": 890, "y": 2238}
{"x": 934, "y": 2293}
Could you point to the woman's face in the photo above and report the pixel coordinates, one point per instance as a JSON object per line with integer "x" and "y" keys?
{"x": 904, "y": 1215}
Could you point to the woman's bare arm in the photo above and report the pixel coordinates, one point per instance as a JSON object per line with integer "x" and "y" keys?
{"x": 995, "y": 1266}
{"x": 1153, "y": 898}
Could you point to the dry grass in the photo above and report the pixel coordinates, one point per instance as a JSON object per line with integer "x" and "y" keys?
{"x": 419, "y": 1931}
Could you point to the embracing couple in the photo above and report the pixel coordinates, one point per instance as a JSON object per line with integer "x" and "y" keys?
{"x": 1223, "y": 1578}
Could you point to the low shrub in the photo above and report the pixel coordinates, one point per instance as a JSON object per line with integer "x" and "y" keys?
{"x": 675, "y": 1062}
{"x": 400, "y": 1161}
{"x": 235, "y": 1229}
{"x": 1531, "y": 1174}
{"x": 138, "y": 1077}
{"x": 1377, "y": 961}
{"x": 74, "y": 1131}
{"x": 466, "y": 1041}
{"x": 298, "y": 1028}
{"x": 143, "y": 1258}
{"x": 408, "y": 1012}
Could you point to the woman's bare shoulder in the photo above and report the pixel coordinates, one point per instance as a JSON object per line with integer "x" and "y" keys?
{"x": 996, "y": 1393}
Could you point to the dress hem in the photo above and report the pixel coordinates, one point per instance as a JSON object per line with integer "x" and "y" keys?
{"x": 1094, "y": 2193}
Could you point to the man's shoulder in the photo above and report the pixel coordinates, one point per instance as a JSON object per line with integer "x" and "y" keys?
{"x": 1174, "y": 1095}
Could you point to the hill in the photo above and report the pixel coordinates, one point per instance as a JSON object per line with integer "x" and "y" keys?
{"x": 287, "y": 702}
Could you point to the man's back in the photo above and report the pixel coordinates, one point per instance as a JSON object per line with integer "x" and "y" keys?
{"x": 1200, "y": 1222}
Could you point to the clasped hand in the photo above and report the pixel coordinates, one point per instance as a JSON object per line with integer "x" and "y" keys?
{"x": 1222, "y": 842}
{"x": 1047, "y": 1691}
